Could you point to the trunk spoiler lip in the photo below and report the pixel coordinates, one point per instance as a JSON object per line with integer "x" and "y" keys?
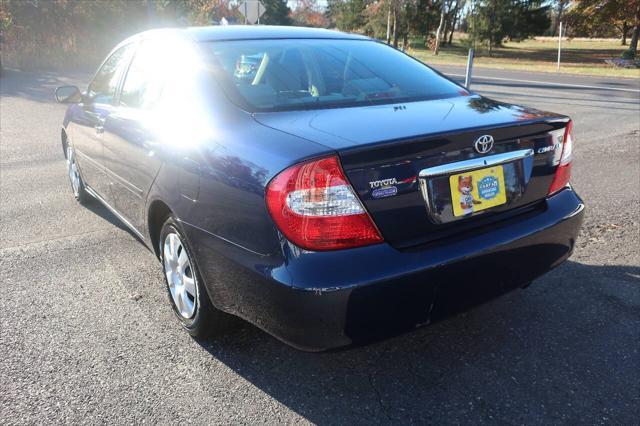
{"x": 559, "y": 119}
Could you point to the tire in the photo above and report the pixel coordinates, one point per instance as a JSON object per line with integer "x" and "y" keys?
{"x": 73, "y": 172}
{"x": 195, "y": 312}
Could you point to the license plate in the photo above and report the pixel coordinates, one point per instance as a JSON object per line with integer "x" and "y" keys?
{"x": 477, "y": 190}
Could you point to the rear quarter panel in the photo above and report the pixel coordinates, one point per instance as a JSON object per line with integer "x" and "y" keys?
{"x": 230, "y": 169}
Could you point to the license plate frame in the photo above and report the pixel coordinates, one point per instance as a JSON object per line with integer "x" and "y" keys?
{"x": 436, "y": 189}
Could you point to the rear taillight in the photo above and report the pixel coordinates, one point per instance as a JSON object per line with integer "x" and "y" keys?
{"x": 314, "y": 206}
{"x": 563, "y": 172}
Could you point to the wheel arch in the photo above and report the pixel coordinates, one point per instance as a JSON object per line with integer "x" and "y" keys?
{"x": 65, "y": 141}
{"x": 157, "y": 214}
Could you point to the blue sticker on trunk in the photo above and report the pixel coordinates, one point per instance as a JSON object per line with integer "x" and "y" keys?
{"x": 488, "y": 187}
{"x": 387, "y": 191}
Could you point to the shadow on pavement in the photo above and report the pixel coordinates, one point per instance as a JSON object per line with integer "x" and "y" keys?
{"x": 37, "y": 86}
{"x": 99, "y": 209}
{"x": 565, "y": 348}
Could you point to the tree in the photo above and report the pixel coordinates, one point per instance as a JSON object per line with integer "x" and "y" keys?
{"x": 378, "y": 18}
{"x": 348, "y": 15}
{"x": 310, "y": 14}
{"x": 424, "y": 17}
{"x": 448, "y": 17}
{"x": 453, "y": 18}
{"x": 51, "y": 33}
{"x": 560, "y": 8}
{"x": 497, "y": 20}
{"x": 443, "y": 14}
{"x": 633, "y": 46}
{"x": 277, "y": 13}
{"x": 597, "y": 18}
{"x": 65, "y": 33}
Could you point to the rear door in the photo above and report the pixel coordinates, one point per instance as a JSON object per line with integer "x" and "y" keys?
{"x": 88, "y": 132}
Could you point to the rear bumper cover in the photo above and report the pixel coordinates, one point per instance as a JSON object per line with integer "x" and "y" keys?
{"x": 318, "y": 301}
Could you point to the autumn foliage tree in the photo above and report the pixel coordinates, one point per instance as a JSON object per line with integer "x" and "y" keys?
{"x": 598, "y": 17}
{"x": 79, "y": 33}
{"x": 309, "y": 13}
{"x": 59, "y": 32}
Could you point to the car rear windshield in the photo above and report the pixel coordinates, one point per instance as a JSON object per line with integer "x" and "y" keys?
{"x": 277, "y": 75}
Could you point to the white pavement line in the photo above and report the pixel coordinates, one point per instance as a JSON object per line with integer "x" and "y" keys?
{"x": 551, "y": 84}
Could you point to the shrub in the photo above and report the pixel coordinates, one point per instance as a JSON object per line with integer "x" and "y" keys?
{"x": 628, "y": 54}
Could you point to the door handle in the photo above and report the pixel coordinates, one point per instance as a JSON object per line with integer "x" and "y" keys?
{"x": 100, "y": 126}
{"x": 149, "y": 145}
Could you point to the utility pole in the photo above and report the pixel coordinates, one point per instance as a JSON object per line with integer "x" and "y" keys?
{"x": 467, "y": 79}
{"x": 559, "y": 45}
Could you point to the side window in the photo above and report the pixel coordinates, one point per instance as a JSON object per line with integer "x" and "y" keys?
{"x": 104, "y": 85}
{"x": 145, "y": 79}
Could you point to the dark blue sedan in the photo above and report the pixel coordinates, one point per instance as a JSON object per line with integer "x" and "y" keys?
{"x": 325, "y": 187}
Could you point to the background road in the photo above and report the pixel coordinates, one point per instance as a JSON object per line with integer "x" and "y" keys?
{"x": 87, "y": 335}
{"x": 627, "y": 88}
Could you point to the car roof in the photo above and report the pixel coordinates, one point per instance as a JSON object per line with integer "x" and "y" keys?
{"x": 239, "y": 32}
{"x": 248, "y": 32}
{"x": 244, "y": 32}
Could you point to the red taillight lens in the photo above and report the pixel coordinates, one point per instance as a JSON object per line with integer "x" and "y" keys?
{"x": 315, "y": 207}
{"x": 563, "y": 172}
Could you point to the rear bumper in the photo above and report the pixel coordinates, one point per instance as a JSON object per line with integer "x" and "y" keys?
{"x": 317, "y": 301}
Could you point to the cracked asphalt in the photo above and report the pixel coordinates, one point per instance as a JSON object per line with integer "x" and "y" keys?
{"x": 87, "y": 334}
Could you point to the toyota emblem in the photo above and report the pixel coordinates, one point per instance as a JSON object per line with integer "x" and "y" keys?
{"x": 483, "y": 144}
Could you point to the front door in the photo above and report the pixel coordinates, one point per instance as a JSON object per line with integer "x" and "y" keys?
{"x": 87, "y": 135}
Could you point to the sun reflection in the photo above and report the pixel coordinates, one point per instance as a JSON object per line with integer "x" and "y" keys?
{"x": 181, "y": 119}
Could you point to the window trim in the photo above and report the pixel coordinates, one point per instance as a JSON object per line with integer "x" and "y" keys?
{"x": 136, "y": 46}
{"x": 118, "y": 102}
{"x": 116, "y": 96}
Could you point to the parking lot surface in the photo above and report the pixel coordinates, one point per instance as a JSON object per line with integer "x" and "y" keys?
{"x": 87, "y": 334}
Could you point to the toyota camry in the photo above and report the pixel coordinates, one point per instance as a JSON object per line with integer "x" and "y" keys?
{"x": 323, "y": 186}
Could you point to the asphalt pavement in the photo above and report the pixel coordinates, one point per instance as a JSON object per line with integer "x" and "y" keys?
{"x": 87, "y": 334}
{"x": 576, "y": 84}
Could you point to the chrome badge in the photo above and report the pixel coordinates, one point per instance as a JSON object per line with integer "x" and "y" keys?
{"x": 382, "y": 183}
{"x": 483, "y": 144}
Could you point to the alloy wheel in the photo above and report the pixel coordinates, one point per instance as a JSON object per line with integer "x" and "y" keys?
{"x": 72, "y": 169}
{"x": 180, "y": 275}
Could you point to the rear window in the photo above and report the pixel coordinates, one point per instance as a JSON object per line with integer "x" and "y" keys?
{"x": 277, "y": 75}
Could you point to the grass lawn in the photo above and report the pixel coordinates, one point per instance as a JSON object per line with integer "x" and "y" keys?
{"x": 579, "y": 56}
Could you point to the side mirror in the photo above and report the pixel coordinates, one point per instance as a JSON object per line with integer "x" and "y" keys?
{"x": 68, "y": 95}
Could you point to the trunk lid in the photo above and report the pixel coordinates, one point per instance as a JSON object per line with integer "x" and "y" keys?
{"x": 384, "y": 150}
